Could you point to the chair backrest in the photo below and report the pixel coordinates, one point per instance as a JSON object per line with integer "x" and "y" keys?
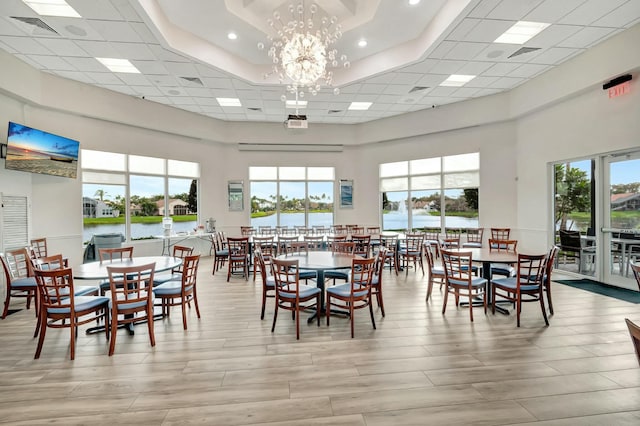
{"x": 362, "y": 272}
{"x": 285, "y": 241}
{"x": 320, "y": 229}
{"x": 457, "y": 267}
{"x": 452, "y": 242}
{"x": 635, "y": 268}
{"x": 119, "y": 253}
{"x": 570, "y": 240}
{"x": 39, "y": 247}
{"x": 182, "y": 252}
{"x": 474, "y": 235}
{"x": 339, "y": 229}
{"x": 452, "y": 233}
{"x": 259, "y": 259}
{"x": 247, "y": 231}
{"x": 238, "y": 246}
{"x": 333, "y": 239}
{"x": 530, "y": 269}
{"x": 18, "y": 264}
{"x": 266, "y": 245}
{"x": 634, "y": 332}
{"x": 373, "y": 230}
{"x": 357, "y": 230}
{"x": 190, "y": 272}
{"x": 432, "y": 234}
{"x": 380, "y": 257}
{"x": 281, "y": 230}
{"x": 502, "y": 245}
{"x": 55, "y": 289}
{"x": 299, "y": 247}
{"x": 343, "y": 247}
{"x": 266, "y": 230}
{"x": 287, "y": 277}
{"x": 414, "y": 242}
{"x": 48, "y": 263}
{"x": 314, "y": 242}
{"x": 430, "y": 261}
{"x": 362, "y": 244}
{"x": 500, "y": 233}
{"x": 131, "y": 285}
{"x": 390, "y": 242}
{"x": 551, "y": 257}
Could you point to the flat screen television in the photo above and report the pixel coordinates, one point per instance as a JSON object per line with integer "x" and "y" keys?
{"x": 37, "y": 151}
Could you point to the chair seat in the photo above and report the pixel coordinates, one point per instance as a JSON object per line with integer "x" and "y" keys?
{"x": 82, "y": 303}
{"x": 132, "y": 305}
{"x": 170, "y": 288}
{"x": 512, "y": 284}
{"x": 503, "y": 269}
{"x": 472, "y": 245}
{"x": 437, "y": 271}
{"x": 222, "y": 253}
{"x": 307, "y": 275}
{"x": 344, "y": 291}
{"x": 305, "y": 291}
{"x": 337, "y": 274}
{"x": 409, "y": 253}
{"x": 26, "y": 283}
{"x": 161, "y": 279}
{"x": 475, "y": 282}
{"x": 271, "y": 282}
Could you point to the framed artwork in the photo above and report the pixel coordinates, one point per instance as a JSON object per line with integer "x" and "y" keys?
{"x": 346, "y": 193}
{"x": 236, "y": 195}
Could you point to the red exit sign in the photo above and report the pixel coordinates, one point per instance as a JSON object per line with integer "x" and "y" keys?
{"x": 620, "y": 89}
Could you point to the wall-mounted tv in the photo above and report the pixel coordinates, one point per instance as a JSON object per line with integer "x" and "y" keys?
{"x": 37, "y": 151}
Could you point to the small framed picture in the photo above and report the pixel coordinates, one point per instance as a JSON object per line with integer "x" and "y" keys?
{"x": 346, "y": 193}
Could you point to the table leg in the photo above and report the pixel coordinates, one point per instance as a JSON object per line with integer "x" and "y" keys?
{"x": 486, "y": 274}
{"x": 320, "y": 285}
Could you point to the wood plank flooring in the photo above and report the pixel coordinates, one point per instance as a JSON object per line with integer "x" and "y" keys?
{"x": 419, "y": 367}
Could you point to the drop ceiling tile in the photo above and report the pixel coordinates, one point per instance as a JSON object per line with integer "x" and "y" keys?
{"x": 52, "y": 63}
{"x": 406, "y": 78}
{"x": 96, "y": 9}
{"x": 486, "y": 92}
{"x": 221, "y": 93}
{"x": 166, "y": 55}
{"x": 73, "y": 28}
{"x": 483, "y": 8}
{"x": 497, "y": 52}
{"x": 123, "y": 89}
{"x": 126, "y": 10}
{"x": 442, "y": 49}
{"x": 552, "y": 10}
{"x": 591, "y": 11}
{"x": 135, "y": 79}
{"x": 24, "y": 58}
{"x": 16, "y": 8}
{"x": 19, "y": 28}
{"x": 553, "y": 56}
{"x": 513, "y": 9}
{"x": 465, "y": 51}
{"x": 481, "y": 82}
{"x": 372, "y": 88}
{"x": 208, "y": 101}
{"x": 442, "y": 91}
{"x": 431, "y": 80}
{"x": 181, "y": 68}
{"x": 243, "y": 85}
{"x": 501, "y": 69}
{"x": 396, "y": 89}
{"x": 150, "y": 67}
{"x": 459, "y": 33}
{"x": 182, "y": 100}
{"x": 586, "y": 37}
{"x": 488, "y": 30}
{"x": 192, "y": 108}
{"x": 105, "y": 78}
{"x": 198, "y": 92}
{"x": 86, "y": 64}
{"x": 75, "y": 75}
{"x": 116, "y": 31}
{"x": 138, "y": 51}
{"x": 147, "y": 91}
{"x": 380, "y": 79}
{"x": 98, "y": 49}
{"x": 422, "y": 67}
{"x": 465, "y": 92}
{"x": 173, "y": 91}
{"x": 216, "y": 83}
{"x": 474, "y": 68}
{"x": 62, "y": 47}
{"x": 211, "y": 109}
{"x": 143, "y": 32}
{"x": 352, "y": 88}
{"x": 553, "y": 35}
{"x": 25, "y": 45}
{"x": 447, "y": 67}
{"x": 528, "y": 70}
{"x": 506, "y": 82}
{"x": 384, "y": 99}
{"x": 163, "y": 80}
{"x": 207, "y": 71}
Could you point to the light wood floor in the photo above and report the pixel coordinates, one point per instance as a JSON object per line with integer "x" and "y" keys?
{"x": 419, "y": 367}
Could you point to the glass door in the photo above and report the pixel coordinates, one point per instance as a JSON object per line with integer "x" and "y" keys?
{"x": 621, "y": 230}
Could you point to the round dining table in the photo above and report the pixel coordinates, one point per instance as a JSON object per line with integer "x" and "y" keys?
{"x": 98, "y": 271}
{"x": 320, "y": 261}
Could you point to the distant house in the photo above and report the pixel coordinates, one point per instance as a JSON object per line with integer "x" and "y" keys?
{"x": 175, "y": 207}
{"x": 97, "y": 208}
{"x": 625, "y": 202}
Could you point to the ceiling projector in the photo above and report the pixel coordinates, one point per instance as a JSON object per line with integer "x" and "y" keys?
{"x": 297, "y": 122}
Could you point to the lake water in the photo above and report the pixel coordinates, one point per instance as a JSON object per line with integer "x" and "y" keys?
{"x": 390, "y": 221}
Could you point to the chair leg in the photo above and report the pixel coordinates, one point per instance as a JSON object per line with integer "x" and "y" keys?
{"x": 43, "y": 331}
{"x": 184, "y": 314}
{"x": 318, "y": 309}
{"x": 352, "y": 319}
{"x": 493, "y": 300}
{"x": 195, "y": 302}
{"x": 114, "y": 332}
{"x": 297, "y": 312}
{"x": 6, "y": 304}
{"x": 373, "y": 320}
{"x": 152, "y": 336}
{"x": 380, "y": 302}
{"x": 275, "y": 316}
{"x": 544, "y": 311}
{"x": 518, "y": 307}
{"x": 446, "y": 296}
{"x": 328, "y": 308}
{"x": 74, "y": 331}
{"x": 548, "y": 291}
{"x": 429, "y": 288}
{"x": 264, "y": 302}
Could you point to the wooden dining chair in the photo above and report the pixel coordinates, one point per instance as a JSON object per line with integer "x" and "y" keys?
{"x": 107, "y": 255}
{"x": 181, "y": 292}
{"x": 497, "y": 245}
{"x": 19, "y": 279}
{"x": 376, "y": 280}
{"x": 39, "y": 247}
{"x": 269, "y": 250}
{"x": 634, "y": 332}
{"x": 390, "y": 243}
{"x": 61, "y": 307}
{"x": 176, "y": 273}
{"x": 355, "y": 294}
{"x": 362, "y": 245}
{"x": 290, "y": 294}
{"x": 344, "y": 247}
{"x": 635, "y": 268}
{"x": 548, "y": 269}
{"x": 221, "y": 251}
{"x": 131, "y": 298}
{"x": 268, "y": 281}
{"x": 460, "y": 280}
{"x": 411, "y": 251}
{"x": 526, "y": 286}
{"x": 500, "y": 233}
{"x": 238, "y": 257}
{"x": 474, "y": 238}
{"x": 436, "y": 273}
{"x": 314, "y": 242}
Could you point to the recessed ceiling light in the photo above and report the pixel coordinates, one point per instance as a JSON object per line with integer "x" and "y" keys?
{"x": 359, "y": 106}
{"x": 229, "y": 102}
{"x": 414, "y": 2}
{"x": 119, "y": 65}
{"x": 52, "y": 8}
{"x": 292, "y": 104}
{"x": 362, "y": 43}
{"x": 521, "y": 32}
{"x": 457, "y": 80}
{"x": 232, "y": 36}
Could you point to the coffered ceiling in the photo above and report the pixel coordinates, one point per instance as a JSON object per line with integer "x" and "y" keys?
{"x": 186, "y": 59}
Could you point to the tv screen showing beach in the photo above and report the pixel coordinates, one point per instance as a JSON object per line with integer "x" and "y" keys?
{"x": 35, "y": 151}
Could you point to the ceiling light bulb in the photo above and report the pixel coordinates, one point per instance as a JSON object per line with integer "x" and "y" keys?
{"x": 232, "y": 36}
{"x": 362, "y": 43}
{"x": 414, "y": 2}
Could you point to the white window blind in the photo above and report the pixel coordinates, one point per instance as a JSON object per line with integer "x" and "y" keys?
{"x": 13, "y": 217}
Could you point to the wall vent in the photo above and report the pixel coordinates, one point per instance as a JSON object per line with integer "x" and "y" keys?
{"x": 289, "y": 147}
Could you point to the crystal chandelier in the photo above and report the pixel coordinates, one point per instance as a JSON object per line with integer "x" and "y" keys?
{"x": 301, "y": 50}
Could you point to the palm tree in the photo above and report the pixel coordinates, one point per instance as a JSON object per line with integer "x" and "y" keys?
{"x": 101, "y": 193}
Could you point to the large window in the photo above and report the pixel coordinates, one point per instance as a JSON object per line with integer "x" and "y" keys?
{"x": 130, "y": 194}
{"x": 430, "y": 193}
{"x": 291, "y": 196}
